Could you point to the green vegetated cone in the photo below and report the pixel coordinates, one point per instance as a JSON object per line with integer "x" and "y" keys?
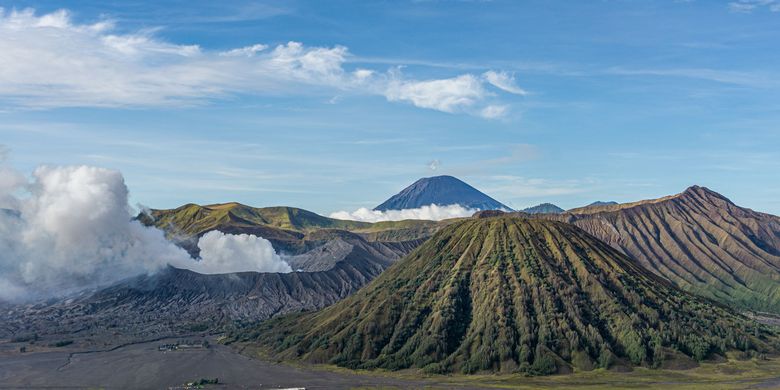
{"x": 508, "y": 294}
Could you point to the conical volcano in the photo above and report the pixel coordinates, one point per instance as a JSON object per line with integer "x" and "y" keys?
{"x": 509, "y": 294}
{"x": 441, "y": 191}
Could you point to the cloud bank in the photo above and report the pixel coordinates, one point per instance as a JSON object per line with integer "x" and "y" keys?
{"x": 66, "y": 229}
{"x": 50, "y": 61}
{"x": 431, "y": 213}
{"x": 221, "y": 253}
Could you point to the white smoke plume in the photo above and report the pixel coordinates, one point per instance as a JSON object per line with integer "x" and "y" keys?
{"x": 70, "y": 228}
{"x": 221, "y": 253}
{"x": 431, "y": 213}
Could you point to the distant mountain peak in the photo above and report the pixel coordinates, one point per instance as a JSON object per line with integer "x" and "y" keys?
{"x": 702, "y": 192}
{"x": 544, "y": 208}
{"x": 442, "y": 191}
{"x": 602, "y": 203}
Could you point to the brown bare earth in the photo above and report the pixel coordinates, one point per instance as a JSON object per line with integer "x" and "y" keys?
{"x": 699, "y": 240}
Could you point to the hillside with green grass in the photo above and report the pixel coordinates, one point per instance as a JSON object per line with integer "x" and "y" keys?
{"x": 194, "y": 219}
{"x": 508, "y": 294}
{"x": 275, "y": 223}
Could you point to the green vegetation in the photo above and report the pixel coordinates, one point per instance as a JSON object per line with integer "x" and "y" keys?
{"x": 397, "y": 231}
{"x": 192, "y": 219}
{"x": 205, "y": 381}
{"x": 199, "y": 327}
{"x": 201, "y": 383}
{"x": 732, "y": 374}
{"x": 61, "y": 343}
{"x": 31, "y": 338}
{"x": 511, "y": 295}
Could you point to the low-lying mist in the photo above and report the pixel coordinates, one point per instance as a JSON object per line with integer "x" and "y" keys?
{"x": 431, "y": 212}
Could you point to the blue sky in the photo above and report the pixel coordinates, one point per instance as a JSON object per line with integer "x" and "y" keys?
{"x": 563, "y": 102}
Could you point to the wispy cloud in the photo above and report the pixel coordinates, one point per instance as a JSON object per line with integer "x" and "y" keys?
{"x": 518, "y": 187}
{"x": 517, "y": 153}
{"x": 248, "y": 51}
{"x": 504, "y": 81}
{"x": 50, "y": 61}
{"x": 722, "y": 160}
{"x": 507, "y": 155}
{"x": 494, "y": 111}
{"x": 748, "y": 6}
{"x": 434, "y": 164}
{"x": 147, "y": 13}
{"x": 753, "y": 79}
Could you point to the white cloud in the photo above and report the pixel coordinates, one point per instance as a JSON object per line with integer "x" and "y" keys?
{"x": 503, "y": 81}
{"x": 449, "y": 95}
{"x": 50, "y": 61}
{"x": 434, "y": 164}
{"x": 71, "y": 228}
{"x": 247, "y": 51}
{"x": 431, "y": 213}
{"x": 748, "y": 6}
{"x": 225, "y": 253}
{"x": 492, "y": 112}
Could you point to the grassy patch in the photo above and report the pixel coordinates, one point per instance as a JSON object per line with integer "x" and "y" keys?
{"x": 61, "y": 343}
{"x": 728, "y": 375}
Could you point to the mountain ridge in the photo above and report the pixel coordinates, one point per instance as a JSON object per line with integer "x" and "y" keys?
{"x": 284, "y": 226}
{"x": 543, "y": 208}
{"x": 698, "y": 239}
{"x": 702, "y": 192}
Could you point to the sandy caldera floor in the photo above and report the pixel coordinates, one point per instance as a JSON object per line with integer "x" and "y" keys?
{"x": 143, "y": 366}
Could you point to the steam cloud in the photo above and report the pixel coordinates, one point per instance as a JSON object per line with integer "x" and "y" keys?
{"x": 221, "y": 253}
{"x": 71, "y": 228}
{"x": 431, "y": 212}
